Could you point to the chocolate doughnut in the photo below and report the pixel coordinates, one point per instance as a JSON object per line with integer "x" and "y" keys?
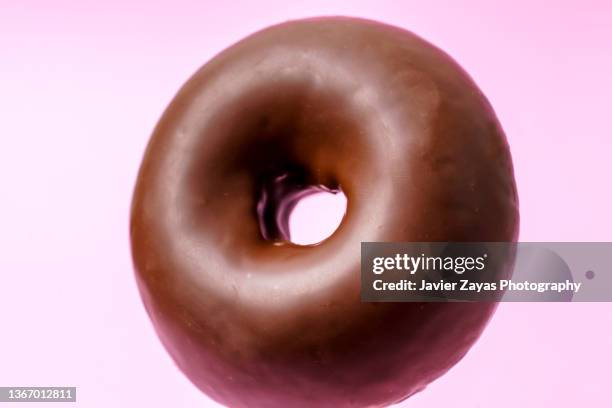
{"x": 254, "y": 320}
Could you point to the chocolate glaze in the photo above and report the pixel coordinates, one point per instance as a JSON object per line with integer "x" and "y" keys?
{"x": 337, "y": 103}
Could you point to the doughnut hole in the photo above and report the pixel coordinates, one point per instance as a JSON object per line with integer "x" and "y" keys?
{"x": 303, "y": 215}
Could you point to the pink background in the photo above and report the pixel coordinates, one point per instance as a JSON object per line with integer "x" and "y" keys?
{"x": 82, "y": 84}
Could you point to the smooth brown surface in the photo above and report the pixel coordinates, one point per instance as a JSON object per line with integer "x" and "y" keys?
{"x": 337, "y": 103}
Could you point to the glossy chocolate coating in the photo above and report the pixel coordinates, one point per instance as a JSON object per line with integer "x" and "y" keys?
{"x": 337, "y": 103}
